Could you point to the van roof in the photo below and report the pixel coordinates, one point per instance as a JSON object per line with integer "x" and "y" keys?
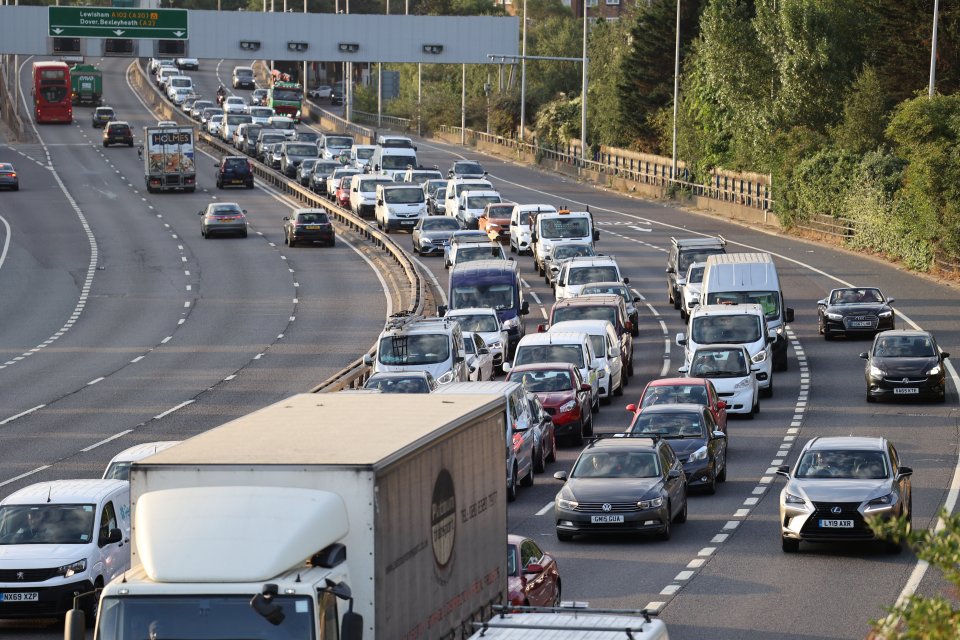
{"x": 591, "y": 327}
{"x": 727, "y": 310}
{"x": 142, "y": 450}
{"x": 740, "y": 258}
{"x": 66, "y": 492}
{"x": 687, "y": 243}
{"x": 474, "y": 388}
{"x": 480, "y": 268}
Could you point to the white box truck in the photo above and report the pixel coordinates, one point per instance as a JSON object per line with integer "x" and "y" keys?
{"x": 169, "y": 161}
{"x": 296, "y": 520}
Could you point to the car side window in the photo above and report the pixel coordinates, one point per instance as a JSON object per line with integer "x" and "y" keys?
{"x": 665, "y": 462}
{"x": 108, "y": 519}
{"x": 529, "y": 552}
{"x": 709, "y": 422}
{"x": 894, "y": 458}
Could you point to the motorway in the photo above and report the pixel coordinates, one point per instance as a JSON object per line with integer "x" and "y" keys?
{"x": 114, "y": 311}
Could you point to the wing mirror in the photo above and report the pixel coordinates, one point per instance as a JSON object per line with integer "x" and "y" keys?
{"x": 681, "y": 339}
{"x": 789, "y": 314}
{"x": 626, "y": 281}
{"x": 865, "y": 355}
{"x": 673, "y": 474}
{"x": 783, "y": 470}
{"x": 560, "y": 475}
{"x": 367, "y": 359}
{"x": 632, "y": 408}
{"x": 904, "y": 472}
{"x": 525, "y": 308}
{"x": 721, "y": 404}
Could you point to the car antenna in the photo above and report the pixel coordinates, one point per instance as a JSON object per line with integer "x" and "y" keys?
{"x": 49, "y": 492}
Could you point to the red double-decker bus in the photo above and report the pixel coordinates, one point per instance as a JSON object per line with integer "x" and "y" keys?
{"x": 51, "y": 92}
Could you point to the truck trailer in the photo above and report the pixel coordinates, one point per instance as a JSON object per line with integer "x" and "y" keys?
{"x": 322, "y": 516}
{"x": 86, "y": 83}
{"x": 169, "y": 161}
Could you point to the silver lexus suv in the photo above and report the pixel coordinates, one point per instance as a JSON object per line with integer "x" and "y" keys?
{"x": 837, "y": 485}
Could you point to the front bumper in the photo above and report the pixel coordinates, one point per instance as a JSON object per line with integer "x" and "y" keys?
{"x": 857, "y": 325}
{"x": 52, "y": 601}
{"x": 698, "y": 473}
{"x": 926, "y": 387}
{"x": 400, "y": 223}
{"x": 740, "y": 401}
{"x": 799, "y": 522}
{"x": 637, "y": 521}
{"x": 567, "y": 423}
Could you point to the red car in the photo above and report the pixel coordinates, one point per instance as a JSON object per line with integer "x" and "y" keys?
{"x": 495, "y": 221}
{"x": 563, "y": 395}
{"x": 343, "y": 192}
{"x": 533, "y": 578}
{"x": 683, "y": 391}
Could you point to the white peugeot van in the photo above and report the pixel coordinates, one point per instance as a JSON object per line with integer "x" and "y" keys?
{"x": 399, "y": 206}
{"x": 606, "y": 350}
{"x": 393, "y": 161}
{"x": 455, "y": 187}
{"x": 732, "y": 324}
{"x": 415, "y": 343}
{"x": 363, "y": 193}
{"x": 62, "y": 539}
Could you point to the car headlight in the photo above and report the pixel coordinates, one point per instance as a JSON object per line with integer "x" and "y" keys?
{"x": 298, "y": 113}
{"x": 877, "y": 372}
{"x": 885, "y": 314}
{"x": 567, "y": 406}
{"x": 780, "y": 330}
{"x": 935, "y": 371}
{"x": 759, "y": 357}
{"x": 698, "y": 455}
{"x": 495, "y": 345}
{"x": 563, "y": 503}
{"x": 789, "y": 498}
{"x": 650, "y": 504}
{"x": 834, "y": 316}
{"x": 446, "y": 378}
{"x": 743, "y": 384}
{"x": 425, "y": 240}
{"x": 883, "y": 503}
{"x": 69, "y": 570}
{"x": 511, "y": 323}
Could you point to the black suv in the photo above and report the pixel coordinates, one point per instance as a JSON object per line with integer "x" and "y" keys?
{"x": 683, "y": 253}
{"x": 117, "y": 132}
{"x": 234, "y": 170}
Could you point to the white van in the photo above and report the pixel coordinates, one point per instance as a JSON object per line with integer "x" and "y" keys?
{"x": 360, "y": 155}
{"x": 473, "y": 203}
{"x": 750, "y": 278}
{"x": 606, "y": 350}
{"x": 551, "y": 229}
{"x": 520, "y": 225}
{"x": 62, "y": 538}
{"x": 119, "y": 466}
{"x": 732, "y": 324}
{"x": 455, "y": 187}
{"x": 520, "y": 436}
{"x": 393, "y": 161}
{"x": 416, "y": 343}
{"x": 363, "y": 193}
{"x": 399, "y": 206}
{"x": 395, "y": 141}
{"x": 575, "y": 348}
{"x": 284, "y": 125}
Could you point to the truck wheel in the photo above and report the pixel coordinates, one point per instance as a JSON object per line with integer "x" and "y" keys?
{"x": 512, "y": 487}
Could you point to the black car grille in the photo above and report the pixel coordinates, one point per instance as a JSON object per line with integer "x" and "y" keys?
{"x": 849, "y": 320}
{"x": 848, "y": 511}
{"x": 905, "y": 380}
{"x": 615, "y": 507}
{"x": 29, "y": 575}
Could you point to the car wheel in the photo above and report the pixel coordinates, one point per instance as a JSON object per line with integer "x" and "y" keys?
{"x": 204, "y": 234}
{"x": 105, "y": 144}
{"x": 243, "y": 234}
{"x": 552, "y": 456}
{"x": 711, "y": 488}
{"x": 682, "y": 516}
{"x": 539, "y": 461}
{"x": 564, "y": 536}
{"x": 250, "y": 185}
{"x": 820, "y": 325}
{"x": 589, "y": 430}
{"x": 892, "y": 547}
{"x": 512, "y": 487}
{"x": 870, "y": 398}
{"x": 619, "y": 390}
{"x": 291, "y": 242}
{"x": 577, "y": 438}
{"x": 595, "y": 407}
{"x": 676, "y": 302}
{"x": 789, "y": 545}
{"x": 333, "y": 242}
{"x": 683, "y": 314}
{"x": 527, "y": 481}
{"x": 665, "y": 532}
{"x": 768, "y": 392}
{"x": 722, "y": 476}
{"x": 219, "y": 185}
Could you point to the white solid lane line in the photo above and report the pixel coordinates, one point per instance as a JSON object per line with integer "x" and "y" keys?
{"x": 546, "y": 509}
{"x": 6, "y": 241}
{"x": 106, "y": 440}
{"x": 21, "y": 414}
{"x": 160, "y": 416}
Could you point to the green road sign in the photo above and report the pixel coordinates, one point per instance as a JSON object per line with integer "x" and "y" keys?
{"x": 117, "y": 22}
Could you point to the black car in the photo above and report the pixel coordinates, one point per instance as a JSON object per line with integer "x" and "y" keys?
{"x": 432, "y": 234}
{"x": 625, "y": 484}
{"x": 853, "y": 311}
{"x": 117, "y": 132}
{"x": 321, "y": 171}
{"x": 905, "y": 364}
{"x": 101, "y": 116}
{"x": 336, "y": 96}
{"x": 234, "y": 171}
{"x": 694, "y": 436}
{"x": 308, "y": 225}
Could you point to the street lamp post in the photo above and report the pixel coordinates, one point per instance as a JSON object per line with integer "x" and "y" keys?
{"x": 583, "y": 91}
{"x": 523, "y": 74}
{"x": 933, "y": 48}
{"x": 676, "y": 90}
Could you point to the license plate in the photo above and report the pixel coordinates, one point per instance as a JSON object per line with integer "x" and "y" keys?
{"x": 861, "y": 323}
{"x": 228, "y": 219}
{"x": 605, "y": 519}
{"x": 836, "y": 524}
{"x": 313, "y": 227}
{"x": 905, "y": 391}
{"x": 236, "y": 181}
{"x": 29, "y": 596}
{"x": 408, "y": 222}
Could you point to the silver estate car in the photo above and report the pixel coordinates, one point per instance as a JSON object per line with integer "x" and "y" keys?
{"x": 837, "y": 485}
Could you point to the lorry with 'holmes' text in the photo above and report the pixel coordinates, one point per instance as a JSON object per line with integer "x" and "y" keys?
{"x": 320, "y": 517}
{"x": 169, "y": 161}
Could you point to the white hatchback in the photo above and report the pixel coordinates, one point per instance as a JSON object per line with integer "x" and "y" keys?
{"x": 729, "y": 368}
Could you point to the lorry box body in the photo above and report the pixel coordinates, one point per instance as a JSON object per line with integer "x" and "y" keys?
{"x": 401, "y": 499}
{"x": 86, "y": 83}
{"x": 169, "y": 158}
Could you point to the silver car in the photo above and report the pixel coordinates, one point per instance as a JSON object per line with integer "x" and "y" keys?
{"x": 837, "y": 485}
{"x": 223, "y": 218}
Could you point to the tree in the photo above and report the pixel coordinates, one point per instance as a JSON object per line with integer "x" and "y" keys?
{"x": 865, "y": 114}
{"x": 920, "y": 617}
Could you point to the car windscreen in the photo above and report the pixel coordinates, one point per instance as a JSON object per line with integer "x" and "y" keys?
{"x": 403, "y": 195}
{"x": 285, "y": 125}
{"x": 364, "y": 153}
{"x": 369, "y": 186}
{"x": 46, "y": 524}
{"x": 695, "y": 275}
{"x": 585, "y": 275}
{"x": 440, "y": 224}
{"x": 769, "y": 301}
{"x": 554, "y": 228}
{"x": 738, "y": 329}
{"x": 417, "y": 349}
{"x": 181, "y": 83}
{"x": 308, "y": 150}
{"x": 904, "y": 347}
{"x": 261, "y": 112}
{"x": 545, "y": 381}
{"x": 245, "y": 72}
{"x": 844, "y": 463}
{"x": 669, "y": 425}
{"x": 308, "y": 136}
{"x": 565, "y": 251}
{"x": 396, "y": 162}
{"x": 496, "y": 296}
{"x": 239, "y": 118}
{"x": 478, "y": 322}
{"x": 205, "y": 616}
{"x": 479, "y": 202}
{"x": 719, "y": 363}
{"x": 307, "y": 165}
{"x": 583, "y": 312}
{"x": 325, "y": 168}
{"x": 271, "y": 138}
{"x": 200, "y": 105}
{"x": 674, "y": 394}
{"x": 531, "y": 354}
{"x": 467, "y": 168}
{"x": 613, "y": 289}
{"x": 338, "y": 142}
{"x": 616, "y": 464}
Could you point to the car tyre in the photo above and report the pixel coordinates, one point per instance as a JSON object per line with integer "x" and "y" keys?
{"x": 722, "y": 476}
{"x": 682, "y": 516}
{"x": 619, "y": 390}
{"x": 527, "y": 480}
{"x": 768, "y": 392}
{"x": 243, "y": 234}
{"x": 539, "y": 460}
{"x": 870, "y": 398}
{"x": 552, "y": 456}
{"x": 291, "y": 242}
{"x": 577, "y": 438}
{"x": 789, "y": 545}
{"x": 512, "y": 487}
{"x": 333, "y": 242}
{"x": 711, "y": 488}
{"x": 589, "y": 431}
{"x": 665, "y": 532}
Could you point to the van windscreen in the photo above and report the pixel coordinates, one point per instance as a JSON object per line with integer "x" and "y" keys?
{"x": 579, "y": 312}
{"x": 530, "y": 354}
{"x": 417, "y": 349}
{"x": 769, "y": 301}
{"x": 495, "y": 296}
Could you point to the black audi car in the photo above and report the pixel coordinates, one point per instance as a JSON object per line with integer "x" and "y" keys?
{"x": 855, "y": 311}
{"x": 905, "y": 364}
